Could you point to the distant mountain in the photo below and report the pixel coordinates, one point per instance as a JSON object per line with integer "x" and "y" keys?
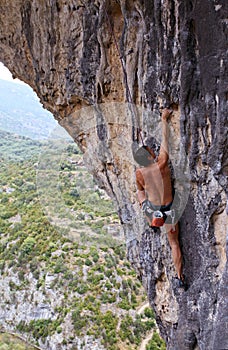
{"x": 22, "y": 113}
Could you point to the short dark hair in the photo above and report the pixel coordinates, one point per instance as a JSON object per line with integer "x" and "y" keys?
{"x": 141, "y": 156}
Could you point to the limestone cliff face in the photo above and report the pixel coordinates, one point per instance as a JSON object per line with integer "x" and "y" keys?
{"x": 103, "y": 68}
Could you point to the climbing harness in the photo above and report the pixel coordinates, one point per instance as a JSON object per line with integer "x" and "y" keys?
{"x": 158, "y": 217}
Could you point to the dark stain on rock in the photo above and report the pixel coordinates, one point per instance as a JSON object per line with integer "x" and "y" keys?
{"x": 27, "y": 26}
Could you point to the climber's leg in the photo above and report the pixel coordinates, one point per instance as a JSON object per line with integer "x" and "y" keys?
{"x": 175, "y": 247}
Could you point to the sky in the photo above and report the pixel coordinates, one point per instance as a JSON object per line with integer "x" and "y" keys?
{"x": 6, "y": 75}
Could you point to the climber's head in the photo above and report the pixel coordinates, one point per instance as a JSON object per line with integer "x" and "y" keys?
{"x": 144, "y": 156}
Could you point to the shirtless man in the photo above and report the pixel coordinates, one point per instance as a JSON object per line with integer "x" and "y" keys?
{"x": 154, "y": 190}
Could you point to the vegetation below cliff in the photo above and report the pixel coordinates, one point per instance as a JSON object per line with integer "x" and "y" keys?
{"x": 60, "y": 285}
{"x": 11, "y": 342}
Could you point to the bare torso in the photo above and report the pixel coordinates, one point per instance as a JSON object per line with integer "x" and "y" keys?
{"x": 157, "y": 183}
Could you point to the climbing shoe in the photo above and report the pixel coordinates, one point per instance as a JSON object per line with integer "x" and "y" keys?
{"x": 182, "y": 283}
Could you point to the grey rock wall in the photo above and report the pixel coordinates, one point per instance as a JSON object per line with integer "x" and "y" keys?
{"x": 170, "y": 51}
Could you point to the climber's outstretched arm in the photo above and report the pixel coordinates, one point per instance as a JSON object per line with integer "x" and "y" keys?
{"x": 164, "y": 150}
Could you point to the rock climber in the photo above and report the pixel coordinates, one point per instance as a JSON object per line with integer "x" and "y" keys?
{"x": 155, "y": 195}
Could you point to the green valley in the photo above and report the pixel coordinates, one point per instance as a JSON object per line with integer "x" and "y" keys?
{"x": 65, "y": 277}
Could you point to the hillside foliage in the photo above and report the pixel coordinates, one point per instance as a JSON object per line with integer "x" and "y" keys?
{"x": 98, "y": 289}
